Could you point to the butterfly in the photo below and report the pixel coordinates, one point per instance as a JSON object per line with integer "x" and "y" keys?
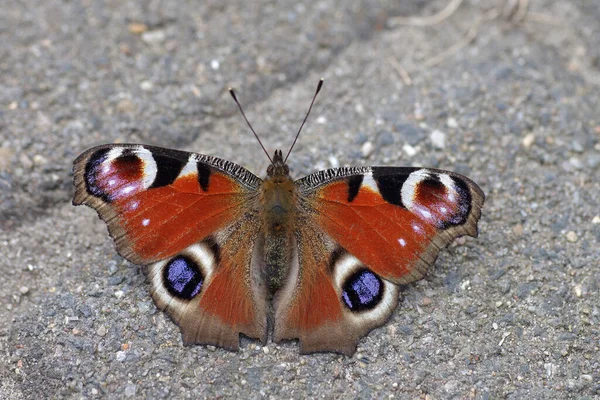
{"x": 318, "y": 259}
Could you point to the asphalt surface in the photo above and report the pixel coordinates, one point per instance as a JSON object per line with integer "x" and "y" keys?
{"x": 512, "y": 314}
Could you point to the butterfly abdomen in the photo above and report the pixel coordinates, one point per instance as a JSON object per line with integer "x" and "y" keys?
{"x": 278, "y": 214}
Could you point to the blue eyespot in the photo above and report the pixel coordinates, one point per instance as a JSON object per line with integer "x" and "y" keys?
{"x": 363, "y": 290}
{"x": 182, "y": 278}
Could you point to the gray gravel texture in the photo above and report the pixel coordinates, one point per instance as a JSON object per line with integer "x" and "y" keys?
{"x": 512, "y": 314}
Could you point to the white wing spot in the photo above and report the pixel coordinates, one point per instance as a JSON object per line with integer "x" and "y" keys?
{"x": 443, "y": 210}
{"x": 128, "y": 189}
{"x": 402, "y": 242}
{"x": 149, "y": 169}
{"x": 425, "y": 213}
{"x": 417, "y": 228}
{"x": 190, "y": 167}
{"x": 145, "y": 222}
{"x": 370, "y": 183}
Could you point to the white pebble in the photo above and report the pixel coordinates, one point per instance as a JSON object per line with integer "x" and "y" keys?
{"x": 321, "y": 120}
{"x": 121, "y": 356}
{"x": 409, "y": 150}
{"x": 571, "y": 236}
{"x": 528, "y": 140}
{"x": 146, "y": 86}
{"x": 154, "y": 37}
{"x": 367, "y": 149}
{"x": 438, "y": 139}
{"x": 452, "y": 123}
{"x": 334, "y": 162}
{"x": 214, "y": 64}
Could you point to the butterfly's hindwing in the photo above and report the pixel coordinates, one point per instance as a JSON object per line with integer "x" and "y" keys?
{"x": 211, "y": 289}
{"x": 333, "y": 301}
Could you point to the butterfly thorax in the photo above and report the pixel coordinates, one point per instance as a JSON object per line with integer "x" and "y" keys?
{"x": 278, "y": 206}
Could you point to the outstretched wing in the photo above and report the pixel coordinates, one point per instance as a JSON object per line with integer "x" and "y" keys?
{"x": 375, "y": 228}
{"x": 194, "y": 219}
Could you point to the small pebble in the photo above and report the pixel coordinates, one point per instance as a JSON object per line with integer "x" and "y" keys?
{"x": 438, "y": 139}
{"x": 596, "y": 219}
{"x": 528, "y": 140}
{"x": 121, "y": 356}
{"x": 409, "y": 150}
{"x": 367, "y": 149}
{"x": 215, "y": 64}
{"x": 154, "y": 37}
{"x": 137, "y": 28}
{"x": 321, "y": 120}
{"x": 571, "y": 236}
{"x": 334, "y": 162}
{"x": 452, "y": 123}
{"x": 101, "y": 331}
{"x": 23, "y": 290}
{"x": 146, "y": 86}
{"x": 39, "y": 159}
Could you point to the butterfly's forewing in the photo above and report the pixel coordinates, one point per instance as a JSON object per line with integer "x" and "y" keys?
{"x": 194, "y": 219}
{"x": 385, "y": 226}
{"x": 157, "y": 201}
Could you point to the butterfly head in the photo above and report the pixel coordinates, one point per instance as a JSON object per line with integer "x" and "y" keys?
{"x": 278, "y": 167}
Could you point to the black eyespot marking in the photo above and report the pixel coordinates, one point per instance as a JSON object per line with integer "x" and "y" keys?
{"x": 182, "y": 278}
{"x": 464, "y": 203}
{"x": 362, "y": 291}
{"x": 354, "y": 183}
{"x": 203, "y": 176}
{"x": 91, "y": 175}
{"x": 433, "y": 182}
{"x": 168, "y": 169}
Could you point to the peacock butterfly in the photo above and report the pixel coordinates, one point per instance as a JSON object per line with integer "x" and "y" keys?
{"x": 319, "y": 259}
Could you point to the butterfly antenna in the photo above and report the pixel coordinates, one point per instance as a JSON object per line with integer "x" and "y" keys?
{"x": 319, "y": 86}
{"x": 248, "y": 122}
